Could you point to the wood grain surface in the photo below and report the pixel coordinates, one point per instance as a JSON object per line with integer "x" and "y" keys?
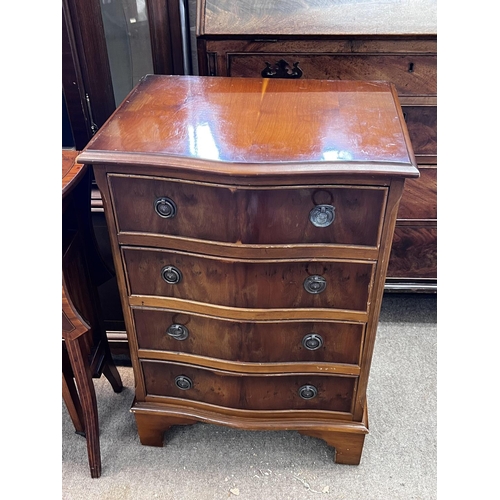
{"x": 259, "y": 126}
{"x": 368, "y": 67}
{"x": 316, "y": 17}
{"x": 248, "y": 216}
{"x": 414, "y": 252}
{"x": 249, "y": 392}
{"x": 249, "y": 284}
{"x": 250, "y": 342}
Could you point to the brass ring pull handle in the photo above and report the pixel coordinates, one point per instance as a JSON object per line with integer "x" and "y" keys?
{"x": 315, "y": 284}
{"x": 322, "y": 215}
{"x": 165, "y": 208}
{"x": 312, "y": 341}
{"x": 184, "y": 383}
{"x": 171, "y": 275}
{"x": 178, "y": 332}
{"x": 308, "y": 392}
{"x": 322, "y": 197}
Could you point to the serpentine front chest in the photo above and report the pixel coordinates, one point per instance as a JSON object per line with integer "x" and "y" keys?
{"x": 251, "y": 223}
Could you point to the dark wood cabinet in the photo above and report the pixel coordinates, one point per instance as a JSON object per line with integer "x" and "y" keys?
{"x": 251, "y": 248}
{"x": 319, "y": 39}
{"x": 107, "y": 46}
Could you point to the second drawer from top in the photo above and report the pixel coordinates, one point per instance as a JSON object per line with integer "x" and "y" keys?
{"x": 267, "y": 284}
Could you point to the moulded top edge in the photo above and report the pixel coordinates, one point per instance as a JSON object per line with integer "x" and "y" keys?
{"x": 245, "y": 169}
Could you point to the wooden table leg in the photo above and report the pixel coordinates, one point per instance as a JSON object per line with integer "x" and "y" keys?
{"x": 70, "y": 397}
{"x": 86, "y": 390}
{"x": 83, "y": 332}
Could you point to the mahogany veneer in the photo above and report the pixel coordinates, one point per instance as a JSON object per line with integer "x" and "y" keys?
{"x": 251, "y": 223}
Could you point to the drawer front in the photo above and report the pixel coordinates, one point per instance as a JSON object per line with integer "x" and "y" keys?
{"x": 248, "y": 216}
{"x": 419, "y": 199}
{"x": 413, "y": 253}
{"x": 249, "y": 392}
{"x": 422, "y": 128}
{"x": 269, "y": 342}
{"x": 411, "y": 74}
{"x": 249, "y": 284}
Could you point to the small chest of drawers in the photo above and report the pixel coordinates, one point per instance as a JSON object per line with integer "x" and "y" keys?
{"x": 251, "y": 223}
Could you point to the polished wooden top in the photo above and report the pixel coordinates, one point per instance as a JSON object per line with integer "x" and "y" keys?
{"x": 317, "y": 17}
{"x": 71, "y": 171}
{"x": 247, "y": 126}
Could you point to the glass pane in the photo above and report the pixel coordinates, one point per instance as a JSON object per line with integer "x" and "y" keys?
{"x": 67, "y": 134}
{"x": 126, "y": 28}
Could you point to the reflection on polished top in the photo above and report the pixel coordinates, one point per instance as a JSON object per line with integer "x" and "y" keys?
{"x": 214, "y": 120}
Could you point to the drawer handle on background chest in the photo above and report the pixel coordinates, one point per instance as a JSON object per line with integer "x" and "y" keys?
{"x": 165, "y": 208}
{"x": 281, "y": 70}
{"x": 312, "y": 341}
{"x": 171, "y": 275}
{"x": 308, "y": 392}
{"x": 322, "y": 215}
{"x": 315, "y": 284}
{"x": 178, "y": 332}
{"x": 184, "y": 383}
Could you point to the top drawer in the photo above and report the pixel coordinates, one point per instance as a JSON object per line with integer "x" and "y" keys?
{"x": 412, "y": 75}
{"x": 343, "y": 215}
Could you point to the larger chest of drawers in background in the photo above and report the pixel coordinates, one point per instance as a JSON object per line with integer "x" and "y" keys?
{"x": 251, "y": 222}
{"x": 391, "y": 41}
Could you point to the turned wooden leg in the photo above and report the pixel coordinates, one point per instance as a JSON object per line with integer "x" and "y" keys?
{"x": 151, "y": 428}
{"x": 348, "y": 446}
{"x": 86, "y": 391}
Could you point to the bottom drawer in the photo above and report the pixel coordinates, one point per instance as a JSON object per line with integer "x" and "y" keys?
{"x": 249, "y": 392}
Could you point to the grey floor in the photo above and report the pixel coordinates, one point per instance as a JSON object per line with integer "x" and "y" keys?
{"x": 203, "y": 462}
